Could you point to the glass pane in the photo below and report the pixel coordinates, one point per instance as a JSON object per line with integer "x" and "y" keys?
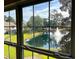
{"x": 6, "y": 27}
{"x": 60, "y": 28}
{"x": 6, "y": 54}
{"x": 27, "y": 37}
{"x": 9, "y": 52}
{"x": 40, "y": 39}
{"x": 12, "y": 52}
{"x": 27, "y": 54}
{"x": 40, "y": 56}
{"x": 27, "y": 23}
{"x": 13, "y": 26}
{"x": 52, "y": 58}
{"x": 41, "y": 14}
{"x": 10, "y": 26}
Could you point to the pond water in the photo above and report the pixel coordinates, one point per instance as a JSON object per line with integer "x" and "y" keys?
{"x": 42, "y": 41}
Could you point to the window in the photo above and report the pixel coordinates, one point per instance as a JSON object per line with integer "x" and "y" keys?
{"x": 40, "y": 16}
{"x": 60, "y": 26}
{"x": 46, "y": 31}
{"x": 10, "y": 26}
{"x": 27, "y": 23}
{"x": 10, "y": 34}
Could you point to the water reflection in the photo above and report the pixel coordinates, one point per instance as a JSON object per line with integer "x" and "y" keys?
{"x": 42, "y": 40}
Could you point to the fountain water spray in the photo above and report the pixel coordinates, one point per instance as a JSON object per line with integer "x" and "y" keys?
{"x": 58, "y": 35}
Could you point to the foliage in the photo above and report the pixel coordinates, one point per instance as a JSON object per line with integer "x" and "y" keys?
{"x": 65, "y": 43}
{"x": 37, "y": 21}
{"x": 55, "y": 18}
{"x": 8, "y": 19}
{"x": 66, "y": 5}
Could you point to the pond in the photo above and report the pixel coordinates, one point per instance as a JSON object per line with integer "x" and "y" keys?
{"x": 42, "y": 41}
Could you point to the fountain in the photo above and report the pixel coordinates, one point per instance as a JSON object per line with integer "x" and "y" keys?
{"x": 58, "y": 35}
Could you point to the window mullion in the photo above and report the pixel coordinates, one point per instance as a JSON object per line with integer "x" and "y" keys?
{"x": 49, "y": 25}
{"x": 19, "y": 51}
{"x": 33, "y": 32}
{"x": 10, "y": 37}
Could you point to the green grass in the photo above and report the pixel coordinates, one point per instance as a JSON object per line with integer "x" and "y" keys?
{"x": 13, "y": 37}
{"x": 12, "y": 52}
{"x": 26, "y": 52}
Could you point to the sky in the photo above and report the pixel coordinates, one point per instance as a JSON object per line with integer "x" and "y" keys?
{"x": 39, "y": 9}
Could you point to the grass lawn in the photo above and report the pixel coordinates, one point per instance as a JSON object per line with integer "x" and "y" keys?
{"x": 26, "y": 52}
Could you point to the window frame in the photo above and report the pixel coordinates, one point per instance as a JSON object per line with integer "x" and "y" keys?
{"x": 19, "y": 45}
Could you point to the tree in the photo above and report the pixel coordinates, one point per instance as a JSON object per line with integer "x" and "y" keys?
{"x": 38, "y": 21}
{"x": 45, "y": 21}
{"x": 9, "y": 19}
{"x": 65, "y": 43}
{"x": 5, "y": 17}
{"x": 55, "y": 18}
{"x": 66, "y": 5}
{"x": 30, "y": 22}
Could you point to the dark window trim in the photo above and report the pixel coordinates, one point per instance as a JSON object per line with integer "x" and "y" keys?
{"x": 23, "y": 4}
{"x": 40, "y": 51}
{"x": 73, "y": 30}
{"x": 11, "y": 7}
{"x": 19, "y": 50}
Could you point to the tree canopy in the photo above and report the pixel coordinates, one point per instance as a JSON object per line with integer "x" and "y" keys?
{"x": 38, "y": 21}
{"x": 9, "y": 19}
{"x": 65, "y": 43}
